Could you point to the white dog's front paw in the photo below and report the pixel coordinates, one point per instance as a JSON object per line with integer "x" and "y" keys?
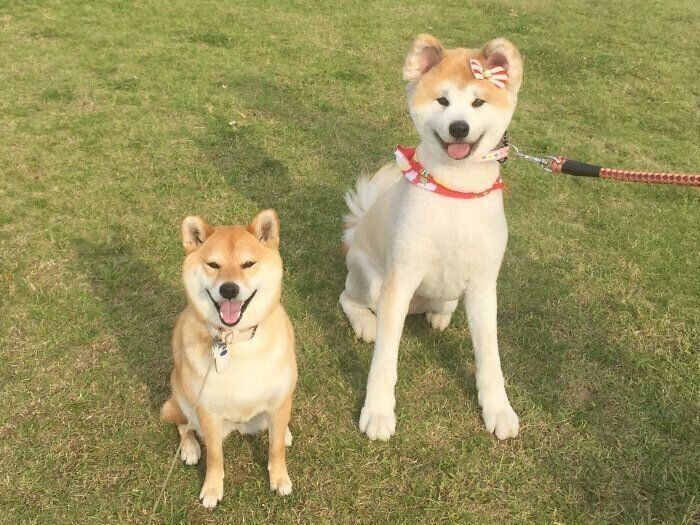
{"x": 438, "y": 321}
{"x": 502, "y": 421}
{"x": 212, "y": 493}
{"x": 190, "y": 451}
{"x": 377, "y": 424}
{"x": 288, "y": 438}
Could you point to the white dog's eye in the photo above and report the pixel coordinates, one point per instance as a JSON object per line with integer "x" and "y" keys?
{"x": 247, "y": 264}
{"x": 213, "y": 265}
{"x": 443, "y": 101}
{"x": 478, "y": 103}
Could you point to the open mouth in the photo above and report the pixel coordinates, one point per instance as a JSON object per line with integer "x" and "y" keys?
{"x": 459, "y": 149}
{"x": 230, "y": 312}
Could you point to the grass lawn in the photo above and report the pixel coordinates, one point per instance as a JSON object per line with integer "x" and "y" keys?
{"x": 117, "y": 119}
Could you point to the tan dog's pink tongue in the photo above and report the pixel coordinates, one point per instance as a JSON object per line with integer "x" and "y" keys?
{"x": 458, "y": 150}
{"x": 230, "y": 311}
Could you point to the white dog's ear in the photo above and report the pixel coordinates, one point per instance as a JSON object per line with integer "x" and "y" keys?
{"x": 266, "y": 228}
{"x": 195, "y": 231}
{"x": 425, "y": 53}
{"x": 501, "y": 52}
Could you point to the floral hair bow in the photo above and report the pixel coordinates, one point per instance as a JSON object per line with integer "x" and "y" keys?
{"x": 496, "y": 75}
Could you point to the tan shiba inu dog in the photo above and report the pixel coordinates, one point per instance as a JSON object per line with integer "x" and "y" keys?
{"x": 430, "y": 229}
{"x": 233, "y": 280}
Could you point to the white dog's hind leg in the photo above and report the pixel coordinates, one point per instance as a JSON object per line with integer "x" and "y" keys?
{"x": 439, "y": 313}
{"x": 362, "y": 319}
{"x": 360, "y": 295}
{"x": 499, "y": 416}
{"x": 377, "y": 418}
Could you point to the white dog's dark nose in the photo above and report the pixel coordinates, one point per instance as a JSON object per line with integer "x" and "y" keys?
{"x": 229, "y": 290}
{"x": 459, "y": 129}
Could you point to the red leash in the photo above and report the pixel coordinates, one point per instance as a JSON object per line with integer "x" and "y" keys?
{"x": 582, "y": 169}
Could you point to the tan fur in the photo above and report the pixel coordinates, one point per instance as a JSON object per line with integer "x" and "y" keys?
{"x": 453, "y": 66}
{"x": 257, "y": 388}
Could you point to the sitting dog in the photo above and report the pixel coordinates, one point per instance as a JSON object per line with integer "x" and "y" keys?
{"x": 430, "y": 229}
{"x": 233, "y": 343}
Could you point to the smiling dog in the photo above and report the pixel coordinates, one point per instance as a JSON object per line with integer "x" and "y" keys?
{"x": 430, "y": 229}
{"x": 233, "y": 280}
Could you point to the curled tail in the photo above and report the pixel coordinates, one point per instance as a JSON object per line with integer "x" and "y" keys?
{"x": 366, "y": 193}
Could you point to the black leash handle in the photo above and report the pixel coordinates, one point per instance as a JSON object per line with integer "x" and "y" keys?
{"x": 576, "y": 168}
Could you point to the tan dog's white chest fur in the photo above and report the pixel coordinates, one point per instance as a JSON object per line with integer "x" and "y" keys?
{"x": 233, "y": 277}
{"x": 237, "y": 394}
{"x": 413, "y": 251}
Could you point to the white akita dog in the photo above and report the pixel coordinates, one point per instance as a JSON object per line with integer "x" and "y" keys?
{"x": 429, "y": 229}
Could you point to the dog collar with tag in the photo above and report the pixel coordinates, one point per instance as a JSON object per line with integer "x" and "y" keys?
{"x": 220, "y": 341}
{"x": 417, "y": 175}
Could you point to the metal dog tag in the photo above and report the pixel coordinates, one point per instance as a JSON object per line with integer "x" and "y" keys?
{"x": 219, "y": 351}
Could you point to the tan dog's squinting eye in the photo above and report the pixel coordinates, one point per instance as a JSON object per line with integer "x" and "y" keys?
{"x": 247, "y": 264}
{"x": 214, "y": 265}
{"x": 478, "y": 103}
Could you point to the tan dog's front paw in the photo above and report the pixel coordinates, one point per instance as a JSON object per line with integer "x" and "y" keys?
{"x": 212, "y": 493}
{"x": 281, "y": 483}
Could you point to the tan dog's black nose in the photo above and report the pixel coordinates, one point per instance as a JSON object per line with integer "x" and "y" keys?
{"x": 459, "y": 129}
{"x": 229, "y": 290}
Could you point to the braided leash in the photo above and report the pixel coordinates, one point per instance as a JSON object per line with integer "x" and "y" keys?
{"x": 582, "y": 169}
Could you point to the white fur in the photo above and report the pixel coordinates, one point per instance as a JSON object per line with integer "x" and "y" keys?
{"x": 412, "y": 251}
{"x": 366, "y": 193}
{"x": 237, "y": 394}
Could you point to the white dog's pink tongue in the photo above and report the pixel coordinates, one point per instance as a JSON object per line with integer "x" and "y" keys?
{"x": 230, "y": 311}
{"x": 458, "y": 150}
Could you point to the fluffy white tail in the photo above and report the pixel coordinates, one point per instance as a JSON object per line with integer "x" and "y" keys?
{"x": 366, "y": 193}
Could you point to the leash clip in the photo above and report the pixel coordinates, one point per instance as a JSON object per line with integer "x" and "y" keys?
{"x": 544, "y": 162}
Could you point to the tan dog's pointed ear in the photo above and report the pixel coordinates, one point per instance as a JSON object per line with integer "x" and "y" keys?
{"x": 425, "y": 53}
{"x": 266, "y": 228}
{"x": 195, "y": 231}
{"x": 501, "y": 52}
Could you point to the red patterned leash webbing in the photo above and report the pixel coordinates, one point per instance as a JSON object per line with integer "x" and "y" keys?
{"x": 572, "y": 167}
{"x": 683, "y": 179}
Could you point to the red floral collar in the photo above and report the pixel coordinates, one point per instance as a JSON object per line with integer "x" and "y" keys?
{"x": 417, "y": 175}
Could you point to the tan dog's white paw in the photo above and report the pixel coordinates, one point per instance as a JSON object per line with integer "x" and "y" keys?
{"x": 377, "y": 425}
{"x": 504, "y": 423}
{"x": 288, "y": 438}
{"x": 212, "y": 492}
{"x": 190, "y": 451}
{"x": 281, "y": 484}
{"x": 438, "y": 321}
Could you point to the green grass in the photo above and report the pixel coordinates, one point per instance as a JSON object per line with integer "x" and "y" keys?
{"x": 117, "y": 119}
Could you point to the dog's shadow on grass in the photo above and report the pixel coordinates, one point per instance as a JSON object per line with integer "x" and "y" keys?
{"x": 310, "y": 210}
{"x": 137, "y": 308}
